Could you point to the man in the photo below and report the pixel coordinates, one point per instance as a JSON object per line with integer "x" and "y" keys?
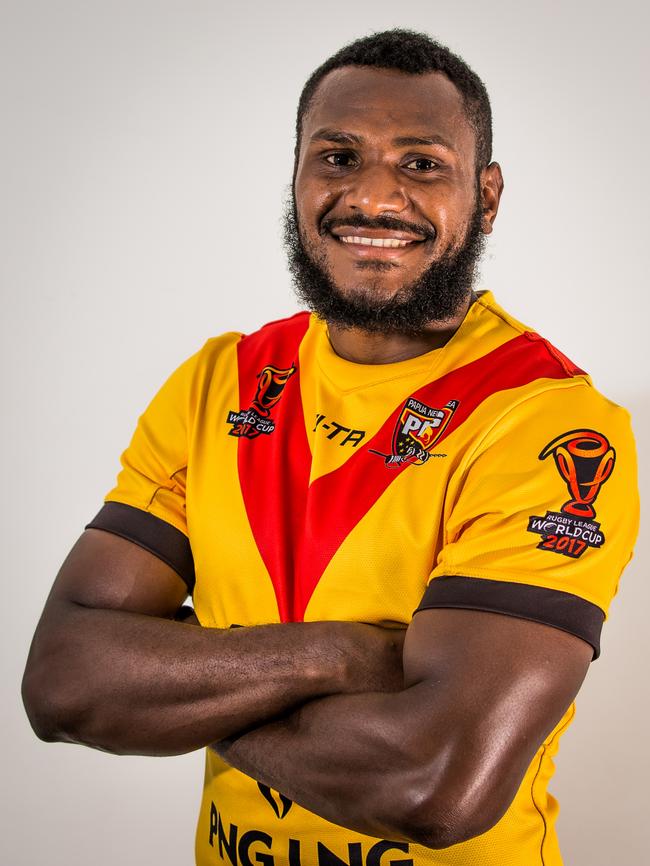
{"x": 406, "y": 447}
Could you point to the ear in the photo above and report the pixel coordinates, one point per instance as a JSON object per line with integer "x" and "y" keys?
{"x": 491, "y": 187}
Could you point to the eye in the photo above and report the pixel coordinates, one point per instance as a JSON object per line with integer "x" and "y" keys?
{"x": 422, "y": 163}
{"x": 341, "y": 159}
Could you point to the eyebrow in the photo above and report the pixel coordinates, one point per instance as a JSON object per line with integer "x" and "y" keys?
{"x": 336, "y": 136}
{"x": 414, "y": 140}
{"x": 340, "y": 137}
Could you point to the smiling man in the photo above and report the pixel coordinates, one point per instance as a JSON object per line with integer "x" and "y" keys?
{"x": 414, "y": 509}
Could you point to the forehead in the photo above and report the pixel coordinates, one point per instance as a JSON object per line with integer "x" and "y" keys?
{"x": 362, "y": 99}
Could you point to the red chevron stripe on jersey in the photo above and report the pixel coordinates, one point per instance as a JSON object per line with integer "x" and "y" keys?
{"x": 274, "y": 469}
{"x": 296, "y": 530}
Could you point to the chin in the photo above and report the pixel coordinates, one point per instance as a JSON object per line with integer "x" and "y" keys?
{"x": 374, "y": 277}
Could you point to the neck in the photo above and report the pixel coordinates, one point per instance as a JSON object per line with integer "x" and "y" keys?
{"x": 368, "y": 347}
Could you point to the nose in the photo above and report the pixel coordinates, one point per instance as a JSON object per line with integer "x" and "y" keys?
{"x": 374, "y": 189}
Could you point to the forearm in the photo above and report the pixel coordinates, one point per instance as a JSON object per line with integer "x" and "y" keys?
{"x": 348, "y": 758}
{"x": 440, "y": 761}
{"x": 130, "y": 683}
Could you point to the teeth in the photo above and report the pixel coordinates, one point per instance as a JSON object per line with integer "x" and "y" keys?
{"x": 374, "y": 242}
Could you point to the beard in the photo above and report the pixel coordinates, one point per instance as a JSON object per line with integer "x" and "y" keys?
{"x": 437, "y": 295}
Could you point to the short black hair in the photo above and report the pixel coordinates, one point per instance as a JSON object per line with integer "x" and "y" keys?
{"x": 414, "y": 53}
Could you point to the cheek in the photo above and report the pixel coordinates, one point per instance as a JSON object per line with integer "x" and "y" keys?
{"x": 451, "y": 217}
{"x": 314, "y": 195}
{"x": 316, "y": 201}
{"x": 313, "y": 205}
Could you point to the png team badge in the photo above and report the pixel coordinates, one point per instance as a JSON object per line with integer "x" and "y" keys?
{"x": 256, "y": 420}
{"x": 418, "y": 429}
{"x": 585, "y": 460}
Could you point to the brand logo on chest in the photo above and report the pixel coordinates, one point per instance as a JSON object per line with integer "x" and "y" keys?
{"x": 338, "y": 432}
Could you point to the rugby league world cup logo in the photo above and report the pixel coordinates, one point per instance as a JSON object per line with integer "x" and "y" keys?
{"x": 256, "y": 420}
{"x": 585, "y": 460}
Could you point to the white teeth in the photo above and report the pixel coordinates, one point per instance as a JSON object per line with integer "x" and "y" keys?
{"x": 374, "y": 242}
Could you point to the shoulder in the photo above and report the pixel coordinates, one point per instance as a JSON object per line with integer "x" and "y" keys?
{"x": 534, "y": 376}
{"x": 286, "y": 332}
{"x": 224, "y": 347}
{"x": 516, "y": 342}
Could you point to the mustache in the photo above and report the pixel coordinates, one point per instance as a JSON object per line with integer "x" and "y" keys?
{"x": 359, "y": 221}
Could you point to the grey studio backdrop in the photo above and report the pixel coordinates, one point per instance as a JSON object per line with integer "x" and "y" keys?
{"x": 146, "y": 148}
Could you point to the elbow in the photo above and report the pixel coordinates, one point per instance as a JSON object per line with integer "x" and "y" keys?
{"x": 441, "y": 815}
{"x": 435, "y": 828}
{"x": 38, "y": 707}
{"x": 438, "y": 831}
{"x": 51, "y": 708}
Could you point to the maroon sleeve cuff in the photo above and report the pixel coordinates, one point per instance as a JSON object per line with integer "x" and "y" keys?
{"x": 553, "y": 607}
{"x": 150, "y": 532}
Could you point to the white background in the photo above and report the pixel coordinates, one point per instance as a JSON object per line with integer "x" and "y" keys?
{"x": 145, "y": 150}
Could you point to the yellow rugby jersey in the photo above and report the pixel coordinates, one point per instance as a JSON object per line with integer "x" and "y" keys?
{"x": 284, "y": 483}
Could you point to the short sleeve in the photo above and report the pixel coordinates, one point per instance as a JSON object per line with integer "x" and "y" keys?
{"x": 147, "y": 505}
{"x": 544, "y": 514}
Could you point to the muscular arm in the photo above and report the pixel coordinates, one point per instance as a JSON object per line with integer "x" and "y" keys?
{"x": 440, "y": 761}
{"x": 109, "y": 667}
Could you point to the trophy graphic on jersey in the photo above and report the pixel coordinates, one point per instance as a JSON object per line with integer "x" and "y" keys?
{"x": 585, "y": 460}
{"x": 271, "y": 382}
